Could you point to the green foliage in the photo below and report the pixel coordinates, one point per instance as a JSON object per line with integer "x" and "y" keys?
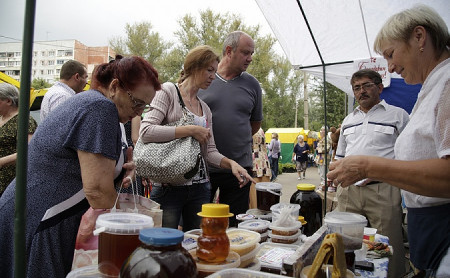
{"x": 40, "y": 83}
{"x": 287, "y": 168}
{"x": 282, "y": 86}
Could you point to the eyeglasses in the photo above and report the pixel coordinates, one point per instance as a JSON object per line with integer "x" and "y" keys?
{"x": 364, "y": 86}
{"x": 138, "y": 104}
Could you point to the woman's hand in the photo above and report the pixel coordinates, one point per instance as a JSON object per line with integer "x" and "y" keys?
{"x": 241, "y": 174}
{"x": 349, "y": 170}
{"x": 200, "y": 133}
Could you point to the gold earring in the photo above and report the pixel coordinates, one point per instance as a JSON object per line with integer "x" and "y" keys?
{"x": 421, "y": 49}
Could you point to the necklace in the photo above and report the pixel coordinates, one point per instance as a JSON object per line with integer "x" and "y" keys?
{"x": 197, "y": 109}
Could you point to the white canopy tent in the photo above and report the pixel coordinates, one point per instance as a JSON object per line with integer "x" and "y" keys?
{"x": 343, "y": 30}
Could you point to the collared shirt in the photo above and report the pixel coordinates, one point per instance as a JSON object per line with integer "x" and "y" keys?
{"x": 372, "y": 133}
{"x": 427, "y": 134}
{"x": 56, "y": 95}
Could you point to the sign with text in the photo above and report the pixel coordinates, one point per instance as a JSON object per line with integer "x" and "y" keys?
{"x": 377, "y": 64}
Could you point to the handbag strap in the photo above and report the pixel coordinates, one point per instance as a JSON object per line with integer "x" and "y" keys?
{"x": 179, "y": 97}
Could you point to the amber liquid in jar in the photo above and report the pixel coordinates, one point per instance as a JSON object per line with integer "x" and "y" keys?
{"x": 213, "y": 245}
{"x": 114, "y": 249}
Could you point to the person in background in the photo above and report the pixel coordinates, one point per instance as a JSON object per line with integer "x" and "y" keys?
{"x": 73, "y": 78}
{"x": 9, "y": 123}
{"x": 71, "y": 161}
{"x": 274, "y": 155}
{"x": 415, "y": 43}
{"x": 184, "y": 201}
{"x": 300, "y": 156}
{"x": 320, "y": 156}
{"x": 261, "y": 164}
{"x": 372, "y": 129}
{"x": 235, "y": 99}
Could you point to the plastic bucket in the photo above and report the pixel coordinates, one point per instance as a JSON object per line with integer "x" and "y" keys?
{"x": 267, "y": 194}
{"x": 349, "y": 225}
{"x": 118, "y": 238}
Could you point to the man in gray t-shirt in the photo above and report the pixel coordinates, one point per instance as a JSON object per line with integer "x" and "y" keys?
{"x": 235, "y": 100}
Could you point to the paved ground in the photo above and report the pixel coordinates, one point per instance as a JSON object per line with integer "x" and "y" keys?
{"x": 289, "y": 182}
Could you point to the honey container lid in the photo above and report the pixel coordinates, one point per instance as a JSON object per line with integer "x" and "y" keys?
{"x": 306, "y": 187}
{"x": 215, "y": 210}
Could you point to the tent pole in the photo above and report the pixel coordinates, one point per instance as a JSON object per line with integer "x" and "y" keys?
{"x": 20, "y": 257}
{"x": 324, "y": 103}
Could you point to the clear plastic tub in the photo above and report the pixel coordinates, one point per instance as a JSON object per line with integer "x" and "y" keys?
{"x": 243, "y": 241}
{"x": 271, "y": 255}
{"x": 257, "y": 225}
{"x": 255, "y": 265}
{"x": 243, "y": 273}
{"x": 277, "y": 208}
{"x": 264, "y": 237}
{"x": 249, "y": 257}
{"x": 284, "y": 239}
{"x": 204, "y": 269}
{"x": 286, "y": 231}
{"x": 88, "y": 272}
{"x": 349, "y": 225}
{"x": 197, "y": 232}
{"x": 261, "y": 214}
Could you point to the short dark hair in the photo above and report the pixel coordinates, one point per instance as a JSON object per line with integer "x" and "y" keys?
{"x": 371, "y": 74}
{"x": 70, "y": 68}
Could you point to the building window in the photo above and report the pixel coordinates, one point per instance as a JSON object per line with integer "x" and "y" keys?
{"x": 59, "y": 62}
{"x": 18, "y": 54}
{"x": 68, "y": 53}
{"x": 34, "y": 63}
{"x": 34, "y": 72}
{"x": 18, "y": 63}
{"x": 42, "y": 72}
{"x": 42, "y": 63}
{"x": 49, "y": 72}
{"x": 10, "y": 63}
{"x": 2, "y": 64}
{"x": 10, "y": 54}
{"x": 51, "y": 53}
{"x": 2, "y": 54}
{"x": 51, "y": 62}
{"x": 61, "y": 52}
{"x": 34, "y": 53}
{"x": 58, "y": 71}
{"x": 43, "y": 53}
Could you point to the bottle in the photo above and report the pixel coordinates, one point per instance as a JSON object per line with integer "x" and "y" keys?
{"x": 310, "y": 207}
{"x": 213, "y": 245}
{"x": 160, "y": 255}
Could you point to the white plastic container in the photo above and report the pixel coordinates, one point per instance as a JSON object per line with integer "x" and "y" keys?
{"x": 257, "y": 225}
{"x": 277, "y": 208}
{"x": 286, "y": 231}
{"x": 261, "y": 214}
{"x": 349, "y": 225}
{"x": 271, "y": 255}
{"x": 284, "y": 239}
{"x": 249, "y": 257}
{"x": 204, "y": 269}
{"x": 243, "y": 241}
{"x": 243, "y": 273}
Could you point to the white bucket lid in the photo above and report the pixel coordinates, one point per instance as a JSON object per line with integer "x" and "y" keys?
{"x": 264, "y": 186}
{"x": 345, "y": 218}
{"x": 123, "y": 222}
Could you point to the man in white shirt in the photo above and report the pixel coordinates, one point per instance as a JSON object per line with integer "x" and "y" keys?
{"x": 73, "y": 78}
{"x": 372, "y": 129}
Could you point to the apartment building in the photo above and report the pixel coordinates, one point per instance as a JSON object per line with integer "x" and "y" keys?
{"x": 49, "y": 56}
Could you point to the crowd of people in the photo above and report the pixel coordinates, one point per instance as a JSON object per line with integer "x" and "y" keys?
{"x": 80, "y": 151}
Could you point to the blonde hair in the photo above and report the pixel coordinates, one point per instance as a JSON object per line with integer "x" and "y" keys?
{"x": 197, "y": 59}
{"x": 275, "y": 135}
{"x": 400, "y": 26}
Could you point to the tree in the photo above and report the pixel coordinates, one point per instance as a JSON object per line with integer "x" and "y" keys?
{"x": 335, "y": 106}
{"x": 40, "y": 83}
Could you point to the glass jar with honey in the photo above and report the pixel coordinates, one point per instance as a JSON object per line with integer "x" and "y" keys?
{"x": 213, "y": 244}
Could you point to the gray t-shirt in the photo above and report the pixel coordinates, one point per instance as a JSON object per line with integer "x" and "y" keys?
{"x": 234, "y": 104}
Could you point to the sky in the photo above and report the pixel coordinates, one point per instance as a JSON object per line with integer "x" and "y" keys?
{"x": 93, "y": 22}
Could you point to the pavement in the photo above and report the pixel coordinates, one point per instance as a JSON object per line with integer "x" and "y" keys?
{"x": 289, "y": 182}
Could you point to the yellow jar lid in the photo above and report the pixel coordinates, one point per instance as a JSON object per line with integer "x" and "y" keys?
{"x": 215, "y": 210}
{"x": 302, "y": 220}
{"x": 306, "y": 186}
